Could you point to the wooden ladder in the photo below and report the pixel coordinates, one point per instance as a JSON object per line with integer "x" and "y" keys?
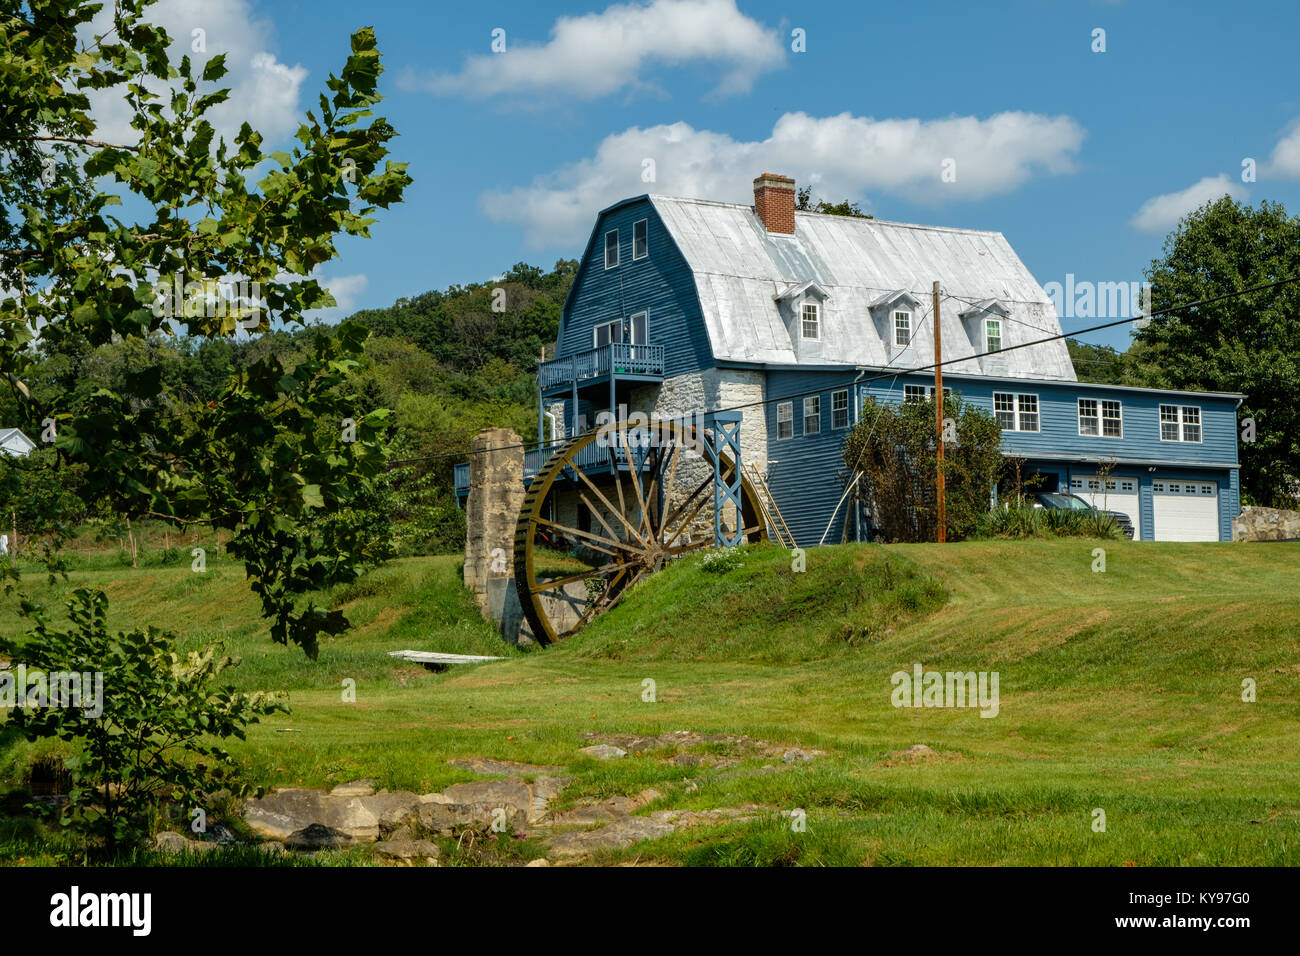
{"x": 772, "y": 517}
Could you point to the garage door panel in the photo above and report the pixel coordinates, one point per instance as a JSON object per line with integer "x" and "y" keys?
{"x": 1120, "y": 493}
{"x": 1186, "y": 510}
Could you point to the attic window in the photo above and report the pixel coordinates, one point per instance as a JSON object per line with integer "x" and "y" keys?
{"x": 902, "y": 328}
{"x": 811, "y": 324}
{"x": 611, "y": 249}
{"x": 992, "y": 335}
{"x": 640, "y": 242}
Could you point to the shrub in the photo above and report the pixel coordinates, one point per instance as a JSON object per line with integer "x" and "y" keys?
{"x": 1026, "y": 521}
{"x": 721, "y": 560}
{"x": 149, "y": 733}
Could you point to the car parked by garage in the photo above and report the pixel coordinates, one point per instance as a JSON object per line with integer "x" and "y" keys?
{"x": 1062, "y": 501}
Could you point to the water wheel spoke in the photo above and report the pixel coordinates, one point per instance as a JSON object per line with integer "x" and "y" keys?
{"x": 632, "y": 469}
{"x": 687, "y": 522}
{"x": 618, "y": 480}
{"x": 677, "y": 512}
{"x": 671, "y": 483}
{"x": 595, "y": 513}
{"x": 552, "y": 584}
{"x": 601, "y": 603}
{"x": 605, "y": 501}
{"x": 592, "y": 541}
{"x": 690, "y": 546}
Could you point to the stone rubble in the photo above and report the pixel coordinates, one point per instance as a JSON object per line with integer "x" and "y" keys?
{"x": 400, "y": 825}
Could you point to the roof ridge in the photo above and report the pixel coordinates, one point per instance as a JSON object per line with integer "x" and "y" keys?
{"x": 827, "y": 215}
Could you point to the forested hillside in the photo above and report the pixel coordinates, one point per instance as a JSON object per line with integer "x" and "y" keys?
{"x": 447, "y": 363}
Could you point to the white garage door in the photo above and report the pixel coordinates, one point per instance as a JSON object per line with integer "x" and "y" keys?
{"x": 1121, "y": 494}
{"x": 1186, "y": 510}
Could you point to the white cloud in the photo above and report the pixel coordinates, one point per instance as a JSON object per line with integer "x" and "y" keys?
{"x": 602, "y": 53}
{"x": 1285, "y": 161}
{"x": 347, "y": 291}
{"x": 263, "y": 90}
{"x": 841, "y": 156}
{"x": 1161, "y": 213}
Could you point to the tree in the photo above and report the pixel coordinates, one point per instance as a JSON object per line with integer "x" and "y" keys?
{"x": 1097, "y": 363}
{"x": 892, "y": 455}
{"x": 144, "y": 717}
{"x": 282, "y": 446}
{"x": 804, "y": 202}
{"x": 1245, "y": 343}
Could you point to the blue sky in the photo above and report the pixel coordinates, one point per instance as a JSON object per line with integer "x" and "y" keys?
{"x": 1082, "y": 159}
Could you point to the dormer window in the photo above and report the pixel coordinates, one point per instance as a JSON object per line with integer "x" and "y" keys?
{"x": 811, "y": 321}
{"x": 611, "y": 249}
{"x": 992, "y": 335}
{"x": 893, "y": 315}
{"x": 902, "y": 328}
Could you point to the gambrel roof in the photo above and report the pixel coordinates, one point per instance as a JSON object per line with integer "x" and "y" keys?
{"x": 741, "y": 270}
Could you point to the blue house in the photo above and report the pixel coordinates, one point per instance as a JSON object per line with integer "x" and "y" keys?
{"x": 682, "y": 305}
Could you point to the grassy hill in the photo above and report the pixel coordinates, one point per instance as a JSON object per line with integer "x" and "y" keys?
{"x": 1118, "y": 690}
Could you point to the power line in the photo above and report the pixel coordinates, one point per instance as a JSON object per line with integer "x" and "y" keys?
{"x": 908, "y": 371}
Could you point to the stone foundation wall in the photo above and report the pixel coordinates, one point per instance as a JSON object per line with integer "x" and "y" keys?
{"x": 1266, "y": 524}
{"x": 713, "y": 389}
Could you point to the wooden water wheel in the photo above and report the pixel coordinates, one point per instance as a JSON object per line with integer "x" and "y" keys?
{"x": 612, "y": 506}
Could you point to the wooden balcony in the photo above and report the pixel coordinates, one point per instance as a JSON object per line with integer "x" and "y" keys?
{"x": 593, "y": 460}
{"x": 622, "y": 359}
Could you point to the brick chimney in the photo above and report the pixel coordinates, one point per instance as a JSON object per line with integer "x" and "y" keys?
{"x": 774, "y": 203}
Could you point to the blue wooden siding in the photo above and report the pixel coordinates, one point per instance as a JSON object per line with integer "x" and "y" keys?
{"x": 661, "y": 285}
{"x": 807, "y": 479}
{"x": 1059, "y": 420}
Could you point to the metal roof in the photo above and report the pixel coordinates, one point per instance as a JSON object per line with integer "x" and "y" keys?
{"x": 740, "y": 269}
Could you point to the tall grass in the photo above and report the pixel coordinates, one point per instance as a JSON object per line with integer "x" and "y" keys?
{"x": 1025, "y": 521}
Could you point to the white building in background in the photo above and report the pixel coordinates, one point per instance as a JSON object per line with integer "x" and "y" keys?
{"x": 14, "y": 442}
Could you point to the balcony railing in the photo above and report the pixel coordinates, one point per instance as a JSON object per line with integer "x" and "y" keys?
{"x": 592, "y": 460}
{"x": 618, "y": 358}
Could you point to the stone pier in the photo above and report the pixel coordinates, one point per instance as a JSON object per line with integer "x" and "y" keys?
{"x": 496, "y": 493}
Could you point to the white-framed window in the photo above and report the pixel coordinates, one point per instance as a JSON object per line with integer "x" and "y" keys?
{"x": 1180, "y": 423}
{"x": 1112, "y": 419}
{"x": 992, "y": 335}
{"x": 1016, "y": 412}
{"x": 810, "y": 321}
{"x": 785, "y": 420}
{"x": 640, "y": 239}
{"x": 812, "y": 415}
{"x": 840, "y": 408}
{"x": 1101, "y": 417}
{"x": 923, "y": 393}
{"x": 640, "y": 322}
{"x": 611, "y": 249}
{"x": 902, "y": 328}
{"x": 607, "y": 332}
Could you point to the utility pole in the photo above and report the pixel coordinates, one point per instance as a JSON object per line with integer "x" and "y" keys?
{"x": 941, "y": 516}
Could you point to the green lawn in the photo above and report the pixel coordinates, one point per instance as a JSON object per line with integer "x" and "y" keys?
{"x": 1118, "y": 690}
